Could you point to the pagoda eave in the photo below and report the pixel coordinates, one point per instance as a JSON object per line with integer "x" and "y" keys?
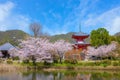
{"x": 80, "y": 37}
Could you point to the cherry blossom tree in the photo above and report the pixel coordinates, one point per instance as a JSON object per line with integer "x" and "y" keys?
{"x": 60, "y": 47}
{"x": 13, "y": 52}
{"x": 40, "y": 49}
{"x": 33, "y": 48}
{"x": 102, "y": 51}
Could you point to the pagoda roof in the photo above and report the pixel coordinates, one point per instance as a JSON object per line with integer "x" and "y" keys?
{"x": 82, "y": 43}
{"x": 81, "y": 34}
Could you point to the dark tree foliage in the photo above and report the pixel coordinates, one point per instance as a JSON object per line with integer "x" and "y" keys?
{"x": 99, "y": 37}
{"x": 116, "y": 38}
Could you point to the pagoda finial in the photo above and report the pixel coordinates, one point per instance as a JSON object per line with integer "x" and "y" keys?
{"x": 80, "y": 27}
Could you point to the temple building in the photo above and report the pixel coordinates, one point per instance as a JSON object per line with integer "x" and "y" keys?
{"x": 80, "y": 40}
{"x": 79, "y": 46}
{"x": 5, "y": 48}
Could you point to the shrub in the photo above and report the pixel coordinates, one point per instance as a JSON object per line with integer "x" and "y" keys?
{"x": 71, "y": 61}
{"x": 9, "y": 62}
{"x": 74, "y": 61}
{"x": 89, "y": 64}
{"x": 47, "y": 63}
{"x": 115, "y": 63}
{"x": 67, "y": 61}
{"x": 15, "y": 58}
{"x": 26, "y": 61}
{"x": 97, "y": 63}
{"x": 108, "y": 62}
{"x": 104, "y": 65}
{"x": 55, "y": 61}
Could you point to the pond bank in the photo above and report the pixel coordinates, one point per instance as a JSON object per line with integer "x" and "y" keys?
{"x": 18, "y": 67}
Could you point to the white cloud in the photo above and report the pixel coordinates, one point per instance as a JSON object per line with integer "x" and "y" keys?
{"x": 86, "y": 14}
{"x": 77, "y": 15}
{"x": 5, "y": 10}
{"x": 11, "y": 20}
{"x": 109, "y": 20}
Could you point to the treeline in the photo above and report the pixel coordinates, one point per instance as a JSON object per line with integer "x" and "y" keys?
{"x": 12, "y": 36}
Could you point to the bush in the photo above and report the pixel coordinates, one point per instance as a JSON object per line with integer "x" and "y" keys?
{"x": 108, "y": 62}
{"x": 67, "y": 61}
{"x": 47, "y": 63}
{"x": 116, "y": 63}
{"x": 74, "y": 61}
{"x": 55, "y": 61}
{"x": 71, "y": 61}
{"x": 26, "y": 61}
{"x": 104, "y": 65}
{"x": 89, "y": 64}
{"x": 15, "y": 58}
{"x": 97, "y": 63}
{"x": 9, "y": 62}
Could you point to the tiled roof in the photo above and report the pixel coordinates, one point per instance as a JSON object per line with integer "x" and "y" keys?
{"x": 6, "y": 46}
{"x": 80, "y": 34}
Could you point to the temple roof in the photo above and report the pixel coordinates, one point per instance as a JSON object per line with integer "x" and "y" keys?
{"x": 6, "y": 46}
{"x": 80, "y": 34}
{"x": 82, "y": 43}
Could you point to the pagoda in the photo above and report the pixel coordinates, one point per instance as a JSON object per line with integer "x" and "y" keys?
{"x": 80, "y": 40}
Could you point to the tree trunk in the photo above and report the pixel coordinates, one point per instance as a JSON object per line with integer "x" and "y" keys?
{"x": 34, "y": 60}
{"x": 61, "y": 60}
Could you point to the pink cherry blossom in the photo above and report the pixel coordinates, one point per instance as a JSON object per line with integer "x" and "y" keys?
{"x": 60, "y": 47}
{"x": 102, "y": 51}
{"x": 40, "y": 48}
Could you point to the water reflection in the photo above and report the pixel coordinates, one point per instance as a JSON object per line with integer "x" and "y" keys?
{"x": 64, "y": 75}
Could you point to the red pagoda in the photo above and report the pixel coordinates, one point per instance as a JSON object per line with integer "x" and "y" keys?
{"x": 80, "y": 42}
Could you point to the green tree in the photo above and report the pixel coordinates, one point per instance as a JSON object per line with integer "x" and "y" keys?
{"x": 118, "y": 39}
{"x": 99, "y": 37}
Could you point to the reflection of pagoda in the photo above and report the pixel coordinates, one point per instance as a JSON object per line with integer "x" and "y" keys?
{"x": 80, "y": 43}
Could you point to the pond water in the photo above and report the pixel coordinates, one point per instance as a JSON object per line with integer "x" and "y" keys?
{"x": 63, "y": 75}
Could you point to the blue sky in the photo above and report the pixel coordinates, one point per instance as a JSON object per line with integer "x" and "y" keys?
{"x": 60, "y": 16}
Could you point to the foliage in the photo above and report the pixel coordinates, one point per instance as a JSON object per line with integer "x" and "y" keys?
{"x": 116, "y": 63}
{"x": 66, "y": 37}
{"x": 12, "y": 36}
{"x": 99, "y": 37}
{"x": 47, "y": 63}
{"x": 26, "y": 61}
{"x": 9, "y": 62}
{"x": 15, "y": 58}
{"x": 116, "y": 38}
{"x": 103, "y": 63}
{"x": 71, "y": 61}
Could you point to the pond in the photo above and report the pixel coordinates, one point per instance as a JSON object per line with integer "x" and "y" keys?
{"x": 62, "y": 75}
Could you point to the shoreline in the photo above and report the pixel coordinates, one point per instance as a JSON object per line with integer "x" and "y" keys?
{"x": 18, "y": 67}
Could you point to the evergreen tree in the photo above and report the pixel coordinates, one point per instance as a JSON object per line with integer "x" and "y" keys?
{"x": 99, "y": 37}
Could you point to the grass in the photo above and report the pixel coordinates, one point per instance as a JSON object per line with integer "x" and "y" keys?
{"x": 103, "y": 63}
{"x": 80, "y": 65}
